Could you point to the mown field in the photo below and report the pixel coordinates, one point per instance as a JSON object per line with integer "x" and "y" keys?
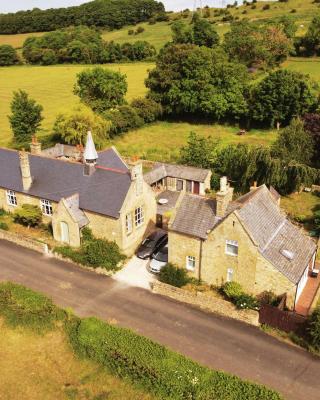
{"x": 35, "y": 367}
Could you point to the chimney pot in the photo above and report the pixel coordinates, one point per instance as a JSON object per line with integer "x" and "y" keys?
{"x": 35, "y": 146}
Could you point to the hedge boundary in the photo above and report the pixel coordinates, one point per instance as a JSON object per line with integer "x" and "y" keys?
{"x": 151, "y": 366}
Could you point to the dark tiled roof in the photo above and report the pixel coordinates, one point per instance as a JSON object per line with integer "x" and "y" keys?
{"x": 161, "y": 171}
{"x": 110, "y": 158}
{"x": 195, "y": 216}
{"x": 172, "y": 198}
{"x": 103, "y": 192}
{"x": 273, "y": 233}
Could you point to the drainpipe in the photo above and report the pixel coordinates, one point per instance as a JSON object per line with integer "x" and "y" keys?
{"x": 200, "y": 259}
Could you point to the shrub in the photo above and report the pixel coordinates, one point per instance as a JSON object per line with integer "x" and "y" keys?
{"x": 28, "y": 215}
{"x": 87, "y": 234}
{"x": 8, "y": 55}
{"x": 314, "y": 328}
{"x": 268, "y": 297}
{"x": 4, "y": 226}
{"x": 140, "y": 29}
{"x": 3, "y": 212}
{"x": 266, "y": 7}
{"x": 147, "y": 109}
{"x": 23, "y": 307}
{"x": 246, "y": 301}
{"x": 232, "y": 290}
{"x": 174, "y": 276}
{"x": 123, "y": 118}
{"x": 130, "y": 32}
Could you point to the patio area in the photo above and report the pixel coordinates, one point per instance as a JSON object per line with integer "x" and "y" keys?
{"x": 307, "y": 296}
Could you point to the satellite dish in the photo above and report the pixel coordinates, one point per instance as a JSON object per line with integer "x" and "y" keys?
{"x": 163, "y": 201}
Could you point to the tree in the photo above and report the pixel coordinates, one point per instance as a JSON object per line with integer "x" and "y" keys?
{"x": 197, "y": 80}
{"x": 312, "y": 126}
{"x": 280, "y": 96}
{"x": 257, "y": 46}
{"x": 147, "y": 109}
{"x": 73, "y": 127}
{"x": 199, "y": 152}
{"x": 314, "y": 330}
{"x": 8, "y": 55}
{"x": 25, "y": 118}
{"x": 311, "y": 41}
{"x": 294, "y": 143}
{"x": 101, "y": 89}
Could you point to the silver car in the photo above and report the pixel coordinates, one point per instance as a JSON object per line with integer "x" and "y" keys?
{"x": 159, "y": 260}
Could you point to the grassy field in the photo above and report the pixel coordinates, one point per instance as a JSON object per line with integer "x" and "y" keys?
{"x": 43, "y": 367}
{"x": 52, "y": 87}
{"x": 310, "y": 66}
{"x": 162, "y": 141}
{"x": 301, "y": 204}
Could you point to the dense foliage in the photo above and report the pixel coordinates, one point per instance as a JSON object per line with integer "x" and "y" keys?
{"x": 312, "y": 126}
{"x": 123, "y": 118}
{"x": 72, "y": 127}
{"x": 235, "y": 293}
{"x": 101, "y": 89}
{"x": 111, "y": 14}
{"x": 195, "y": 80}
{"x": 8, "y": 55}
{"x": 200, "y": 32}
{"x": 147, "y": 109}
{"x": 28, "y": 215}
{"x": 309, "y": 45}
{"x": 280, "y": 96}
{"x": 173, "y": 275}
{"x": 25, "y": 118}
{"x": 82, "y": 45}
{"x": 257, "y": 46}
{"x": 314, "y": 330}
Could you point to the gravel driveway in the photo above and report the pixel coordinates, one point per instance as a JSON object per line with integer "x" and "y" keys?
{"x": 135, "y": 273}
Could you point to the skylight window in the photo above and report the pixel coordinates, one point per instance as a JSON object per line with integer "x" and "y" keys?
{"x": 287, "y": 254}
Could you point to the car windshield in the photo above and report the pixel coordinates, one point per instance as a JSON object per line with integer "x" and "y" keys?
{"x": 162, "y": 255}
{"x": 148, "y": 243}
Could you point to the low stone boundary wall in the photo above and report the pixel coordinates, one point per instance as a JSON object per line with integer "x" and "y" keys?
{"x": 207, "y": 302}
{"x": 23, "y": 241}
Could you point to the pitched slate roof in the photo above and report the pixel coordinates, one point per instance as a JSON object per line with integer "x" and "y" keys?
{"x": 195, "y": 216}
{"x": 102, "y": 192}
{"x": 110, "y": 158}
{"x": 161, "y": 171}
{"x": 274, "y": 234}
{"x": 72, "y": 203}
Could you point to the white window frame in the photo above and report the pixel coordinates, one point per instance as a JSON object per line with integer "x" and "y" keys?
{"x": 138, "y": 216}
{"x": 129, "y": 224}
{"x": 46, "y": 207}
{"x": 190, "y": 263}
{"x": 11, "y": 198}
{"x": 234, "y": 244}
{"x": 230, "y": 273}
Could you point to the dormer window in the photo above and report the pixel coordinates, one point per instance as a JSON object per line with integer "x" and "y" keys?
{"x": 46, "y": 207}
{"x": 11, "y": 198}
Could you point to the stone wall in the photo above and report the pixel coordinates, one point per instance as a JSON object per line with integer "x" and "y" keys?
{"x": 23, "y": 241}
{"x": 207, "y": 302}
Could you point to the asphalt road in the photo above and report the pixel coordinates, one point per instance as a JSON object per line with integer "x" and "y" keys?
{"x": 212, "y": 340}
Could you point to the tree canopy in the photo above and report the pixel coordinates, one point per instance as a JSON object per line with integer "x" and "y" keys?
{"x": 25, "y": 118}
{"x": 8, "y": 55}
{"x": 101, "y": 89}
{"x": 309, "y": 45}
{"x": 189, "y": 79}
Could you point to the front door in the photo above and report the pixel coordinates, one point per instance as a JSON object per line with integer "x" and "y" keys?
{"x": 196, "y": 187}
{"x": 65, "y": 232}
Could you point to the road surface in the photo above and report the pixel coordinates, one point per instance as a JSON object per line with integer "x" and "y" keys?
{"x": 212, "y": 340}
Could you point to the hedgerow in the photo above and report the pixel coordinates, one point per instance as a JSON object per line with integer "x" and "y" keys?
{"x": 153, "y": 367}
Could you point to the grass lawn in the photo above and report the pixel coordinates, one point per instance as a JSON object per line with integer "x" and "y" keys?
{"x": 52, "y": 87}
{"x": 310, "y": 66}
{"x": 161, "y": 141}
{"x": 298, "y": 204}
{"x": 35, "y": 367}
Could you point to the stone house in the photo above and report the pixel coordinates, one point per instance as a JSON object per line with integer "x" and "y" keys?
{"x": 179, "y": 178}
{"x": 100, "y": 192}
{"x": 248, "y": 240}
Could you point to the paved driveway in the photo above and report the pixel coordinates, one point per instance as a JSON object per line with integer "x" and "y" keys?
{"x": 135, "y": 273}
{"x": 212, "y": 340}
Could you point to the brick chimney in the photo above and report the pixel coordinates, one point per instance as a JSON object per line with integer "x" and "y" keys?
{"x": 224, "y": 197}
{"x": 35, "y": 146}
{"x": 25, "y": 170}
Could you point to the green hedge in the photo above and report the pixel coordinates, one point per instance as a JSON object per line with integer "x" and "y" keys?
{"x": 23, "y": 307}
{"x": 165, "y": 373}
{"x": 153, "y": 367}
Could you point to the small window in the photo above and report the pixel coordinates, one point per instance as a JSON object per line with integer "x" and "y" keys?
{"x": 191, "y": 263}
{"x": 128, "y": 223}
{"x": 46, "y": 207}
{"x": 138, "y": 216}
{"x": 229, "y": 275}
{"x": 179, "y": 185}
{"x": 232, "y": 247}
{"x": 189, "y": 187}
{"x": 11, "y": 198}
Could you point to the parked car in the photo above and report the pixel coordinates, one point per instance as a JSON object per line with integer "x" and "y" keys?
{"x": 152, "y": 244}
{"x": 159, "y": 260}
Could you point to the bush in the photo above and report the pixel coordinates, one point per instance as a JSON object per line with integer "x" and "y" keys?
{"x": 4, "y": 226}
{"x": 28, "y": 215}
{"x": 174, "y": 276}
{"x": 166, "y": 374}
{"x": 123, "y": 118}
{"x": 23, "y": 307}
{"x": 147, "y": 109}
{"x": 8, "y": 55}
{"x": 246, "y": 301}
{"x": 140, "y": 29}
{"x": 3, "y": 212}
{"x": 268, "y": 297}
{"x": 232, "y": 290}
{"x": 314, "y": 328}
